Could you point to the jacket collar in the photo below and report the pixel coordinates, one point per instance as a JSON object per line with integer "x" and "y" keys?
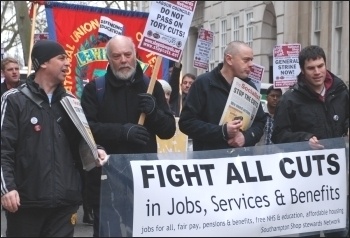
{"x": 219, "y": 81}
{"x": 35, "y": 88}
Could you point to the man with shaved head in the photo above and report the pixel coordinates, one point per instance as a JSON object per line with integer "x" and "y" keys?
{"x": 207, "y": 98}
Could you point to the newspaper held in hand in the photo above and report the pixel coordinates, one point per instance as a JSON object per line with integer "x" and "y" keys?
{"x": 244, "y": 101}
{"x": 88, "y": 150}
{"x": 90, "y": 161}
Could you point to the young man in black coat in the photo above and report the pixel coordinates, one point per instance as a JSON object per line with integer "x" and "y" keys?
{"x": 10, "y": 71}
{"x": 301, "y": 115}
{"x": 315, "y": 108}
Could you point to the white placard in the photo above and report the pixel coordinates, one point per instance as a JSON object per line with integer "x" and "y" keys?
{"x": 202, "y": 51}
{"x": 110, "y": 28}
{"x": 285, "y": 65}
{"x": 167, "y": 28}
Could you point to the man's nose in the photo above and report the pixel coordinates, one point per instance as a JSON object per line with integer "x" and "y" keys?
{"x": 122, "y": 58}
{"x": 67, "y": 62}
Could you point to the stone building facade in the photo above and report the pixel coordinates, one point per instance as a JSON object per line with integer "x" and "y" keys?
{"x": 264, "y": 24}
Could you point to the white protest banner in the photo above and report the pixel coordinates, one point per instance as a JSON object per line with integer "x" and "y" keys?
{"x": 262, "y": 195}
{"x": 109, "y": 28}
{"x": 202, "y": 51}
{"x": 256, "y": 75}
{"x": 167, "y": 28}
{"x": 285, "y": 65}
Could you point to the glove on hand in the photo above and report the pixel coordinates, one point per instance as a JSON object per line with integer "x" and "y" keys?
{"x": 135, "y": 134}
{"x": 147, "y": 103}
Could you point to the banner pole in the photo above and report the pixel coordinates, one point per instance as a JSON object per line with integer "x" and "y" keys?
{"x": 151, "y": 85}
{"x": 32, "y": 38}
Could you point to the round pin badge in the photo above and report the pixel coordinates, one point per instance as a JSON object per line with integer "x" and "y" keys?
{"x": 34, "y": 120}
{"x": 335, "y": 117}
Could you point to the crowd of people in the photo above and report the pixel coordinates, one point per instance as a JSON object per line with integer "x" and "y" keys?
{"x": 42, "y": 180}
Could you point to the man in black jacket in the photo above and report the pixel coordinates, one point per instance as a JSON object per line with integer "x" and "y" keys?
{"x": 315, "y": 108}
{"x": 301, "y": 115}
{"x": 40, "y": 180}
{"x": 10, "y": 71}
{"x": 207, "y": 98}
{"x": 114, "y": 120}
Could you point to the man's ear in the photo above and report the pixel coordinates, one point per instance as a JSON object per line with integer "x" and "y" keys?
{"x": 44, "y": 66}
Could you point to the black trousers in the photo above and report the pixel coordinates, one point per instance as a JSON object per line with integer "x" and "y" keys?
{"x": 42, "y": 222}
{"x": 96, "y": 225}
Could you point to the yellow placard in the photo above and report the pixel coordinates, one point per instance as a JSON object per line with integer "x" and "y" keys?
{"x": 178, "y": 143}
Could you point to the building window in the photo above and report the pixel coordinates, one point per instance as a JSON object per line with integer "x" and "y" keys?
{"x": 317, "y": 22}
{"x": 249, "y": 29}
{"x": 337, "y": 51}
{"x": 235, "y": 28}
{"x": 223, "y": 37}
{"x": 211, "y": 66}
{"x": 338, "y": 13}
{"x": 212, "y": 50}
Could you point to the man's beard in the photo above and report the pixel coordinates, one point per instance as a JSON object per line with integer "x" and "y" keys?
{"x": 124, "y": 76}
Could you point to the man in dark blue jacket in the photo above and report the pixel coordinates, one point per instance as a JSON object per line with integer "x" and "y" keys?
{"x": 114, "y": 120}
{"x": 207, "y": 98}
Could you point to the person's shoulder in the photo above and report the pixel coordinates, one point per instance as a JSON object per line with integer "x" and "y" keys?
{"x": 338, "y": 81}
{"x": 289, "y": 94}
{"x": 22, "y": 81}
{"x": 204, "y": 76}
{"x": 91, "y": 83}
{"x": 9, "y": 94}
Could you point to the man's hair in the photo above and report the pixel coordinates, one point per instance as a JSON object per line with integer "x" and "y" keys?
{"x": 233, "y": 47}
{"x": 119, "y": 37}
{"x": 311, "y": 52}
{"x": 188, "y": 75}
{"x": 268, "y": 91}
{"x": 8, "y": 60}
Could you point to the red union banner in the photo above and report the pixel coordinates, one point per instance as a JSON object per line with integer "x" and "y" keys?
{"x": 84, "y": 31}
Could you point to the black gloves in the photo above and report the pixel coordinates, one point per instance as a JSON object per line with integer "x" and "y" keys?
{"x": 135, "y": 134}
{"x": 147, "y": 103}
